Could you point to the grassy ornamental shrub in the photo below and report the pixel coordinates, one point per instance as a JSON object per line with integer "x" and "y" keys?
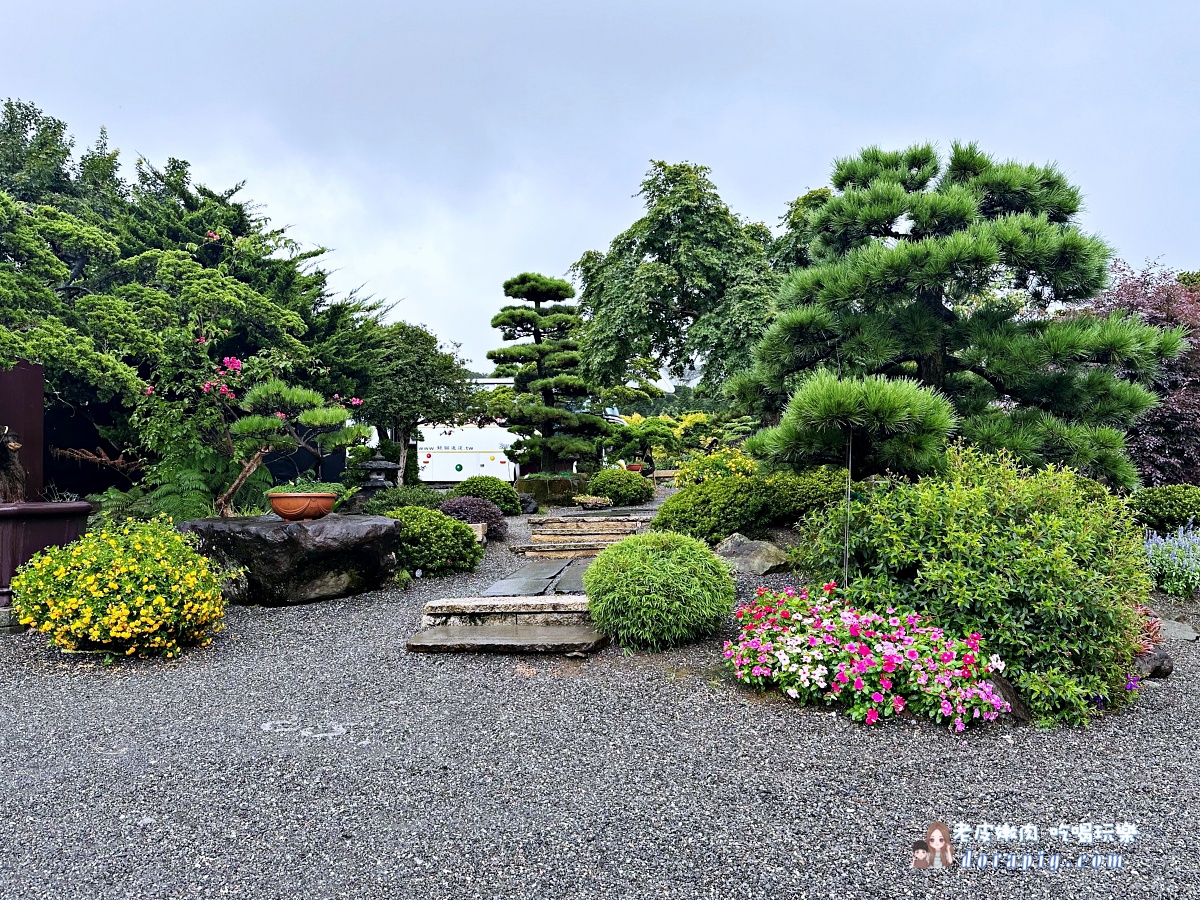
{"x": 477, "y": 511}
{"x": 134, "y": 588}
{"x": 434, "y": 543}
{"x": 489, "y": 487}
{"x": 622, "y": 487}
{"x": 1049, "y": 569}
{"x": 658, "y": 590}
{"x": 401, "y": 496}
{"x": 1168, "y": 507}
{"x": 718, "y": 464}
{"x": 716, "y": 508}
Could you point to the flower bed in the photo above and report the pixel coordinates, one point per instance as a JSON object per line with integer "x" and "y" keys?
{"x": 875, "y": 666}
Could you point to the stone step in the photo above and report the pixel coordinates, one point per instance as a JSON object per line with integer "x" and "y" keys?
{"x": 587, "y": 521}
{"x": 566, "y": 550}
{"x": 586, "y": 528}
{"x": 607, "y": 537}
{"x": 551, "y": 609}
{"x": 508, "y": 639}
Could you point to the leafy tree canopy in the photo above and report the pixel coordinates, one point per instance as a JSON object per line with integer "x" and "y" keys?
{"x": 688, "y": 285}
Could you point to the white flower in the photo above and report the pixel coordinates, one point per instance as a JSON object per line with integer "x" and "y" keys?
{"x": 996, "y": 662}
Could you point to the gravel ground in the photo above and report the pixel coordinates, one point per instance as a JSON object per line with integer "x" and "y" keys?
{"x": 306, "y": 754}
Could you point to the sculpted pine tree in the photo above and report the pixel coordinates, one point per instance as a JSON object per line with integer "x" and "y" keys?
{"x": 964, "y": 278}
{"x": 550, "y": 410}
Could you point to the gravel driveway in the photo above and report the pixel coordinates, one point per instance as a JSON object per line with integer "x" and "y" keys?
{"x": 306, "y": 754}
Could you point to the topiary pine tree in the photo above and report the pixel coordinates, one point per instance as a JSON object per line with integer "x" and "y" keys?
{"x": 550, "y": 409}
{"x": 963, "y": 277}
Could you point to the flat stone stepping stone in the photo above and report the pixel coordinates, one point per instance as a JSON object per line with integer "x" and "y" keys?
{"x": 533, "y": 578}
{"x": 571, "y": 581}
{"x": 1176, "y": 631}
{"x": 508, "y": 639}
{"x": 566, "y": 609}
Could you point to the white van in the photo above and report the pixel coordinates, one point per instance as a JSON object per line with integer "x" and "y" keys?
{"x": 452, "y": 454}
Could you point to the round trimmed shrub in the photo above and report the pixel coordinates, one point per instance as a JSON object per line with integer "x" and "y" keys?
{"x": 489, "y": 487}
{"x": 401, "y": 496}
{"x": 434, "y": 542}
{"x": 477, "y": 511}
{"x": 795, "y": 495}
{"x": 1168, "y": 507}
{"x": 1051, "y": 571}
{"x": 133, "y": 588}
{"x": 658, "y": 590}
{"x": 622, "y": 487}
{"x": 714, "y": 509}
{"x": 722, "y": 463}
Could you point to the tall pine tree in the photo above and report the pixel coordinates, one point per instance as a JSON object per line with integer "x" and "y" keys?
{"x": 964, "y": 277}
{"x": 550, "y": 411}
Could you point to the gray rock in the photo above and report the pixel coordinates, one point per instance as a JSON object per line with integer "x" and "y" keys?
{"x": 299, "y": 562}
{"x": 1155, "y": 664}
{"x": 752, "y": 557}
{"x": 529, "y": 504}
{"x": 1177, "y": 631}
{"x": 1018, "y": 708}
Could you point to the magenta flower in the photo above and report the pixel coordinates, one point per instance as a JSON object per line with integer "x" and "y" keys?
{"x": 858, "y": 684}
{"x": 877, "y": 697}
{"x": 872, "y": 716}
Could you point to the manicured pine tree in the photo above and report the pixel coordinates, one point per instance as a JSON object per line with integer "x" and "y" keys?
{"x": 964, "y": 278}
{"x": 550, "y": 410}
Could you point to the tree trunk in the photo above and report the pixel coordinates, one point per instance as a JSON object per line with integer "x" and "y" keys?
{"x": 401, "y": 442}
{"x": 226, "y": 498}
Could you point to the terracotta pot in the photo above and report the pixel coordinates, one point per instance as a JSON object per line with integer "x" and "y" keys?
{"x": 634, "y": 467}
{"x": 297, "y": 507}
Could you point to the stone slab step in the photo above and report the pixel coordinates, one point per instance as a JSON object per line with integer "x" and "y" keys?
{"x": 568, "y": 550}
{"x": 603, "y": 537}
{"x": 508, "y": 639}
{"x": 571, "y": 580}
{"x": 551, "y": 609}
{"x": 589, "y": 520}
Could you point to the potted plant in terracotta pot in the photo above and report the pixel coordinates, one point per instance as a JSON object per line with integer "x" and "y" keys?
{"x": 305, "y": 499}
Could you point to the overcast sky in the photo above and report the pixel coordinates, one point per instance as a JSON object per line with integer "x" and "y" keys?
{"x": 439, "y": 148}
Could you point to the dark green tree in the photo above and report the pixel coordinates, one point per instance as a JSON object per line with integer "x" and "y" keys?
{"x": 551, "y": 409}
{"x": 688, "y": 285}
{"x": 963, "y": 277}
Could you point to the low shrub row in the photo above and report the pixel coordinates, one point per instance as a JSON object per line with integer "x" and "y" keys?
{"x": 622, "y": 487}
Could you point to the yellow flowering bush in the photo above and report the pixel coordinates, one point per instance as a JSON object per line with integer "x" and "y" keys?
{"x": 130, "y": 588}
{"x": 718, "y": 464}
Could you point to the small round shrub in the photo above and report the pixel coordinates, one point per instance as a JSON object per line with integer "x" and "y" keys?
{"x": 718, "y": 464}
{"x": 658, "y": 590}
{"x": 795, "y": 495}
{"x": 403, "y": 495}
{"x": 622, "y": 487}
{"x": 434, "y": 542}
{"x": 714, "y": 509}
{"x": 129, "y": 588}
{"x": 489, "y": 487}
{"x": 1168, "y": 507}
{"x": 477, "y": 511}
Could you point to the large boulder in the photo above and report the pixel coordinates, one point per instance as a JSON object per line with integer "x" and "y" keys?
{"x": 553, "y": 491}
{"x": 752, "y": 557}
{"x": 299, "y": 562}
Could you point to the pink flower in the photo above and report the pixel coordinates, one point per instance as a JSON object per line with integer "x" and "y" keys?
{"x": 829, "y": 586}
{"x": 207, "y": 386}
{"x": 858, "y": 684}
{"x": 149, "y": 390}
{"x": 911, "y": 653}
{"x": 946, "y": 656}
{"x": 872, "y": 716}
{"x": 232, "y": 363}
{"x": 354, "y": 401}
{"x": 885, "y": 683}
{"x": 282, "y": 416}
{"x": 842, "y": 678}
{"x": 877, "y": 697}
{"x": 897, "y": 703}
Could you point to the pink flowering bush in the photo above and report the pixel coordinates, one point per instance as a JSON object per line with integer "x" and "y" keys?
{"x": 823, "y": 651}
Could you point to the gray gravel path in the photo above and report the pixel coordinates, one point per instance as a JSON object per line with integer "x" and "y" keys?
{"x": 306, "y": 754}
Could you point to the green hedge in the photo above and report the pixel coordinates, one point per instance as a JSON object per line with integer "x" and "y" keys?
{"x": 1168, "y": 507}
{"x": 401, "y": 496}
{"x": 622, "y": 487}
{"x": 434, "y": 543}
{"x": 655, "y": 591}
{"x": 716, "y": 508}
{"x": 489, "y": 487}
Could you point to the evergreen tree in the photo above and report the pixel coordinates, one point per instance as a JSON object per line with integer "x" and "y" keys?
{"x": 550, "y": 410}
{"x": 963, "y": 278}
